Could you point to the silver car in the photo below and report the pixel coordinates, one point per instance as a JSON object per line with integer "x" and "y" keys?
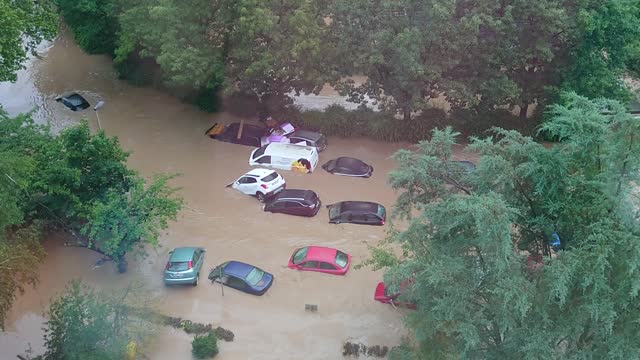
{"x": 184, "y": 266}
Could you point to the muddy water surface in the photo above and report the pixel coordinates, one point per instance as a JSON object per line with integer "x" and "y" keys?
{"x": 165, "y": 135}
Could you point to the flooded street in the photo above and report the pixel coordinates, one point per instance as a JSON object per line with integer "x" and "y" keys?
{"x": 165, "y": 135}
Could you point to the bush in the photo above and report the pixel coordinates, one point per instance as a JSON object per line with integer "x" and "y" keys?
{"x": 204, "y": 346}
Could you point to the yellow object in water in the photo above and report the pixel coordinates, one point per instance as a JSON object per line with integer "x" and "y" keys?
{"x": 299, "y": 167}
{"x": 132, "y": 350}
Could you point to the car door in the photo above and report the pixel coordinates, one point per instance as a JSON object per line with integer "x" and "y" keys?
{"x": 309, "y": 265}
{"x": 294, "y": 208}
{"x": 198, "y": 256}
{"x": 276, "y": 206}
{"x": 359, "y": 219}
{"x": 246, "y": 185}
{"x": 327, "y": 267}
{"x": 234, "y": 282}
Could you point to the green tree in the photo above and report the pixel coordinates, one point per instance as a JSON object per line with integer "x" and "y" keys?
{"x": 123, "y": 221}
{"x": 23, "y": 25}
{"x": 85, "y": 324}
{"x": 93, "y": 22}
{"x": 410, "y": 51}
{"x": 473, "y": 249}
{"x": 20, "y": 255}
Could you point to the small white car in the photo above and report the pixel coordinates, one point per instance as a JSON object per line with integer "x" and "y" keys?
{"x": 261, "y": 183}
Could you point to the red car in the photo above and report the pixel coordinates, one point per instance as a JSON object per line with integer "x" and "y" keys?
{"x": 321, "y": 259}
{"x": 382, "y": 295}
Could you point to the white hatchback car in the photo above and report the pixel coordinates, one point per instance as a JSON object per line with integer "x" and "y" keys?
{"x": 261, "y": 183}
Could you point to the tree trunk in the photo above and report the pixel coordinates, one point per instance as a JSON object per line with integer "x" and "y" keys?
{"x": 122, "y": 265}
{"x": 524, "y": 108}
{"x": 406, "y": 114}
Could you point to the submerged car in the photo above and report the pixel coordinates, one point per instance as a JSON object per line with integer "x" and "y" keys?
{"x": 294, "y": 202}
{"x": 466, "y": 165}
{"x": 241, "y": 276}
{"x": 249, "y": 136}
{"x": 184, "y": 266}
{"x": 261, "y": 183}
{"x": 383, "y": 295}
{"x": 308, "y": 138}
{"x": 320, "y": 259}
{"x": 73, "y": 101}
{"x": 357, "y": 212}
{"x": 348, "y": 166}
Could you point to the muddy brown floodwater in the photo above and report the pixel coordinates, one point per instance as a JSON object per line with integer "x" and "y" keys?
{"x": 166, "y": 135}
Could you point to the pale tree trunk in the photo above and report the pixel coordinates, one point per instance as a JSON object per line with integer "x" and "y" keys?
{"x": 524, "y": 108}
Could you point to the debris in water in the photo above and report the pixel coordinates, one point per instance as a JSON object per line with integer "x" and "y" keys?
{"x": 191, "y": 327}
{"x": 311, "y": 307}
{"x": 357, "y": 349}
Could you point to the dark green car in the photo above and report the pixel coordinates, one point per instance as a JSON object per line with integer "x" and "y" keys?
{"x": 184, "y": 266}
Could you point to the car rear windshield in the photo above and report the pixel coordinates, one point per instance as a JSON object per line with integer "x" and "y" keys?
{"x": 254, "y": 276}
{"x": 341, "y": 259}
{"x": 334, "y": 211}
{"x": 178, "y": 266}
{"x": 270, "y": 177}
{"x": 381, "y": 211}
{"x": 300, "y": 255}
{"x": 311, "y": 197}
{"x": 259, "y": 152}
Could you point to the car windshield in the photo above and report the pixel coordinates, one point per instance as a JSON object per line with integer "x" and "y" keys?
{"x": 300, "y": 255}
{"x": 381, "y": 211}
{"x": 334, "y": 211}
{"x": 259, "y": 152}
{"x": 322, "y": 141}
{"x": 178, "y": 266}
{"x": 254, "y": 276}
{"x": 270, "y": 177}
{"x": 341, "y": 259}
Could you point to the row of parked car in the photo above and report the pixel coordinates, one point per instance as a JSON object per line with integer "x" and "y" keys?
{"x": 284, "y": 147}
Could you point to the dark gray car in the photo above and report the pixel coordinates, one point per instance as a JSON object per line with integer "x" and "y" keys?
{"x": 184, "y": 266}
{"x": 309, "y": 138}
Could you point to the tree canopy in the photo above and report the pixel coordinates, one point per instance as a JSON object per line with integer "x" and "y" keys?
{"x": 485, "y": 279}
{"x": 23, "y": 25}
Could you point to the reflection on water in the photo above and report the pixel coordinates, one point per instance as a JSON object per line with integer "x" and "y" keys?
{"x": 166, "y": 135}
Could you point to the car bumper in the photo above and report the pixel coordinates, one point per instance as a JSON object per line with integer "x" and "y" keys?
{"x": 186, "y": 280}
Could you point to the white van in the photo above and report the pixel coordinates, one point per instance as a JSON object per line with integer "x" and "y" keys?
{"x": 285, "y": 157}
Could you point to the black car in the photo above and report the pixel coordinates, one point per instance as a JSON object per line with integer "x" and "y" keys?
{"x": 466, "y": 165}
{"x": 348, "y": 166}
{"x": 309, "y": 138}
{"x": 357, "y": 212}
{"x": 250, "y": 136}
{"x": 73, "y": 101}
{"x": 294, "y": 202}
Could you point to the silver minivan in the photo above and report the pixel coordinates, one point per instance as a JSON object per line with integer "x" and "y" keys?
{"x": 184, "y": 266}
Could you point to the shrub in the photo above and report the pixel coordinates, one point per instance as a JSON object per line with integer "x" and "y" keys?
{"x": 205, "y": 346}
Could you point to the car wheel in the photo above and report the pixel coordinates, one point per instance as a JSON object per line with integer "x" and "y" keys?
{"x": 260, "y": 197}
{"x": 195, "y": 282}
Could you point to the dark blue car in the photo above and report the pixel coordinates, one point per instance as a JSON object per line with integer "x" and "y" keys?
{"x": 243, "y": 277}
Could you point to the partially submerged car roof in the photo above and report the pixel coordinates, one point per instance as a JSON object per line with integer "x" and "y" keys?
{"x": 247, "y": 129}
{"x": 182, "y": 254}
{"x": 359, "y": 206}
{"x": 239, "y": 269}
{"x": 295, "y": 194}
{"x": 307, "y": 134}
{"x": 289, "y": 149}
{"x": 321, "y": 253}
{"x": 259, "y": 173}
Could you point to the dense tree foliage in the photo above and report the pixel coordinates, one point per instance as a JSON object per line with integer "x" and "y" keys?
{"x": 85, "y": 324}
{"x": 23, "y": 25}
{"x": 93, "y": 22}
{"x": 75, "y": 181}
{"x": 485, "y": 279}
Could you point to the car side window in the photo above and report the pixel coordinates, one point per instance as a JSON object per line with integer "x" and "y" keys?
{"x": 292, "y": 204}
{"x": 326, "y": 266}
{"x": 265, "y": 160}
{"x": 234, "y": 282}
{"x": 251, "y": 180}
{"x": 277, "y": 205}
{"x": 309, "y": 265}
{"x": 295, "y": 140}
